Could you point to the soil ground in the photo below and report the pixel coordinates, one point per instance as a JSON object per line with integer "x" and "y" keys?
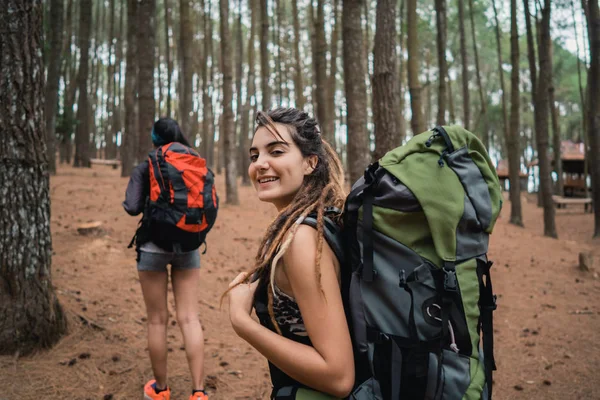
{"x": 547, "y": 325}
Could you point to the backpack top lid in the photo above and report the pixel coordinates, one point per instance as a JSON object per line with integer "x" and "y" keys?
{"x": 450, "y": 173}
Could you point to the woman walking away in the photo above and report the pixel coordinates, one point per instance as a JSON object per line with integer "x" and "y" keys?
{"x": 295, "y": 284}
{"x": 175, "y": 192}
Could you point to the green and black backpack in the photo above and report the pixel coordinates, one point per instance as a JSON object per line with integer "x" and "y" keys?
{"x": 416, "y": 283}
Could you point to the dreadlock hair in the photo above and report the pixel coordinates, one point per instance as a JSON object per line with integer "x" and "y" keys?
{"x": 322, "y": 188}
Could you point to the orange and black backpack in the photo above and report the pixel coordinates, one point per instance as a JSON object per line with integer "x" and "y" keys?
{"x": 182, "y": 205}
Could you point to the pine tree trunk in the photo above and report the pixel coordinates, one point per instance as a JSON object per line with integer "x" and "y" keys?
{"x": 593, "y": 117}
{"x": 417, "y": 122}
{"x": 31, "y": 317}
{"x": 250, "y": 94}
{"x": 241, "y": 150}
{"x": 440, "y": 18}
{"x": 320, "y": 62}
{"x": 228, "y": 148}
{"x": 130, "y": 138}
{"x": 465, "y": 66}
{"x": 118, "y": 81}
{"x": 332, "y": 78}
{"x": 512, "y": 140}
{"x": 110, "y": 132}
{"x": 168, "y": 55}
{"x": 541, "y": 123}
{"x": 186, "y": 72}
{"x": 51, "y": 95}
{"x": 501, "y": 72}
{"x": 264, "y": 56}
{"x": 82, "y": 135}
{"x": 145, "y": 45}
{"x": 385, "y": 102}
{"x": 556, "y": 136}
{"x": 356, "y": 92}
{"x": 298, "y": 75}
{"x": 208, "y": 126}
{"x": 483, "y": 113}
{"x": 401, "y": 76}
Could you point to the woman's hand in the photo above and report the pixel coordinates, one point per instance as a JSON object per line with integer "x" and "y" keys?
{"x": 241, "y": 297}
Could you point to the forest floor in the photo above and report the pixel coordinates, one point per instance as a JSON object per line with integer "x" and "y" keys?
{"x": 547, "y": 325}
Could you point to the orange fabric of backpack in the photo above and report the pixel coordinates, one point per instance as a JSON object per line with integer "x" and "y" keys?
{"x": 183, "y": 201}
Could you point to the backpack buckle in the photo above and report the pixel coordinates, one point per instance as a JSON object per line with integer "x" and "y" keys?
{"x": 450, "y": 280}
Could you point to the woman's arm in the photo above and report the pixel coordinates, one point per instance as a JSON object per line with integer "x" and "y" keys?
{"x": 138, "y": 189}
{"x": 329, "y": 366}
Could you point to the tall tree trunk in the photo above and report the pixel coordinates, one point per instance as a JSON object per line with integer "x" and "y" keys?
{"x": 465, "y": 66}
{"x": 130, "y": 139}
{"x": 483, "y": 112}
{"x": 401, "y": 76}
{"x": 512, "y": 140}
{"x": 556, "y": 136}
{"x": 332, "y": 78}
{"x": 417, "y": 121}
{"x": 168, "y": 55}
{"x": 582, "y": 102}
{"x": 385, "y": 102}
{"x": 145, "y": 45}
{"x": 228, "y": 134}
{"x": 298, "y": 74}
{"x": 264, "y": 56}
{"x": 109, "y": 132}
{"x": 51, "y": 95}
{"x": 440, "y": 18}
{"x": 82, "y": 135}
{"x": 355, "y": 87}
{"x": 593, "y": 117}
{"x": 31, "y": 317}
{"x": 541, "y": 123}
{"x": 276, "y": 32}
{"x": 241, "y": 148}
{"x": 117, "y": 81}
{"x": 65, "y": 124}
{"x": 95, "y": 80}
{"x": 207, "y": 114}
{"x": 501, "y": 72}
{"x": 186, "y": 73}
{"x": 320, "y": 62}
{"x": 451, "y": 114}
{"x": 250, "y": 93}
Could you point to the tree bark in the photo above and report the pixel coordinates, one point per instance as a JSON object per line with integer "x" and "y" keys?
{"x": 228, "y": 133}
{"x": 417, "y": 121}
{"x": 186, "y": 72}
{"x": 465, "y": 67}
{"x": 401, "y": 76}
{"x": 168, "y": 56}
{"x": 65, "y": 125}
{"x": 82, "y": 135}
{"x": 501, "y": 73}
{"x": 145, "y": 46}
{"x": 130, "y": 138}
{"x": 556, "y": 136}
{"x": 593, "y": 117}
{"x": 250, "y": 94}
{"x": 512, "y": 140}
{"x": 541, "y": 123}
{"x": 54, "y": 61}
{"x": 298, "y": 75}
{"x": 385, "y": 101}
{"x": 483, "y": 113}
{"x": 332, "y": 78}
{"x": 31, "y": 317}
{"x": 440, "y": 18}
{"x": 110, "y": 132}
{"x": 320, "y": 63}
{"x": 241, "y": 149}
{"x": 355, "y": 87}
{"x": 264, "y": 56}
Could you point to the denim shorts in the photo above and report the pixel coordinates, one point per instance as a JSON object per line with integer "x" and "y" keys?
{"x": 158, "y": 261}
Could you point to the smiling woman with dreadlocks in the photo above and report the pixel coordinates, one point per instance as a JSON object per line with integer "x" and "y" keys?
{"x": 295, "y": 284}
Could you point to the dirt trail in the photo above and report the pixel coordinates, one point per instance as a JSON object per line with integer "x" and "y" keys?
{"x": 547, "y": 324}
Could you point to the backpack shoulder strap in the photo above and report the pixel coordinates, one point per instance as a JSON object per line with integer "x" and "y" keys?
{"x": 331, "y": 231}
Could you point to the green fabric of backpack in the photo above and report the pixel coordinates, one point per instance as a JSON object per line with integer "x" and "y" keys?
{"x": 417, "y": 288}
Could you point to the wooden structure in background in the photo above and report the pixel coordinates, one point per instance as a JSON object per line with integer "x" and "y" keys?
{"x": 573, "y": 161}
{"x": 502, "y": 171}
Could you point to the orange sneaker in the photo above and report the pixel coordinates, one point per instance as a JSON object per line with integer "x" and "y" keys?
{"x": 199, "y": 396}
{"x": 150, "y": 392}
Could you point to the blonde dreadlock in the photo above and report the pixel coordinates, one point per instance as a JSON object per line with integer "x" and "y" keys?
{"x": 322, "y": 188}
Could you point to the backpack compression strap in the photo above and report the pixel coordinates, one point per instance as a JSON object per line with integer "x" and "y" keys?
{"x": 487, "y": 304}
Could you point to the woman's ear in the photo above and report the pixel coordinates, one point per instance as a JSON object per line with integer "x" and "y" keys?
{"x": 310, "y": 163}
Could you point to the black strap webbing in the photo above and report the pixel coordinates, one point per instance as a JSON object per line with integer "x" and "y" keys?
{"x": 368, "y": 272}
{"x": 487, "y": 305}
